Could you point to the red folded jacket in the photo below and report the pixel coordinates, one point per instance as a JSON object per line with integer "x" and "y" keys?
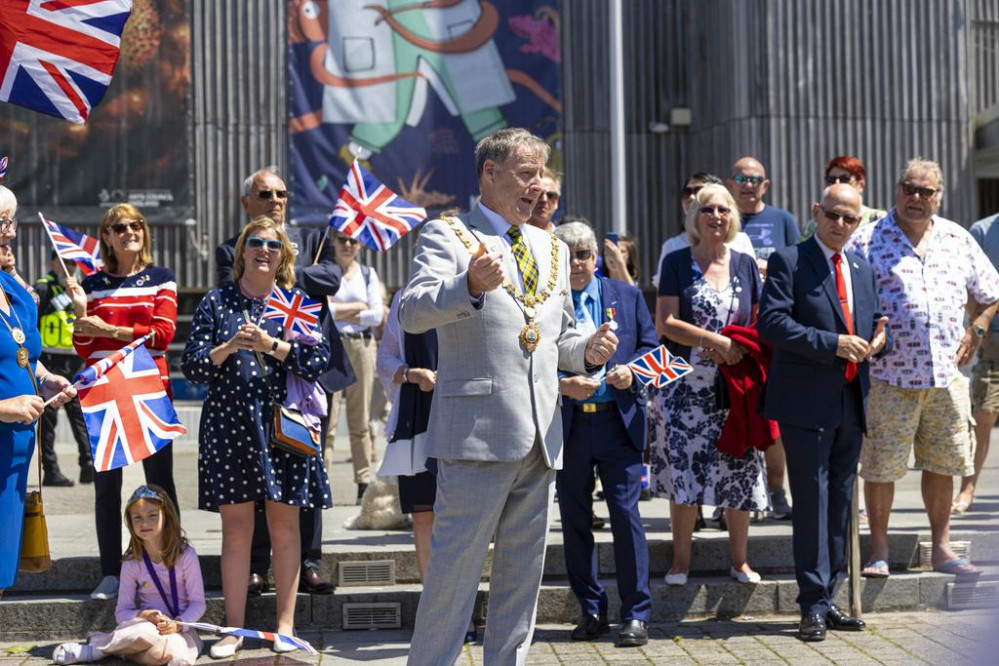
{"x": 745, "y": 426}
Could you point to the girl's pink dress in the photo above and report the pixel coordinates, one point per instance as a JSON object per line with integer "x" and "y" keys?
{"x": 137, "y": 639}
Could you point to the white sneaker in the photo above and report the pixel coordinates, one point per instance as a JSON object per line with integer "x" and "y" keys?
{"x": 676, "y": 579}
{"x": 76, "y": 653}
{"x": 751, "y": 578}
{"x": 225, "y": 650}
{"x": 108, "y": 589}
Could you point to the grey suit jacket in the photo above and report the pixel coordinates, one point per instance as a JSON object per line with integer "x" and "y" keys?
{"x": 492, "y": 397}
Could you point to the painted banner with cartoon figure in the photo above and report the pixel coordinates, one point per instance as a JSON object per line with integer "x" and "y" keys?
{"x": 410, "y": 87}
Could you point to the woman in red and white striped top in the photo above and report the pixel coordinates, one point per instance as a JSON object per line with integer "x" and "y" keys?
{"x": 128, "y": 299}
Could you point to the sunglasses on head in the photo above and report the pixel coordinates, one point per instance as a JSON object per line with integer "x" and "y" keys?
{"x": 741, "y": 179}
{"x": 270, "y": 194}
{"x": 143, "y": 493}
{"x": 581, "y": 255}
{"x": 691, "y": 191}
{"x": 710, "y": 210}
{"x": 912, "y": 190}
{"x": 122, "y": 227}
{"x": 7, "y": 224}
{"x": 836, "y": 217}
{"x": 347, "y": 240}
{"x": 272, "y": 244}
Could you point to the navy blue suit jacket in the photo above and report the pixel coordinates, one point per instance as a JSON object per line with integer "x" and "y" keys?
{"x": 636, "y": 334}
{"x": 800, "y": 315}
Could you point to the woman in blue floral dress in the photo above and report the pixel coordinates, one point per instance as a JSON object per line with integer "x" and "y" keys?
{"x": 702, "y": 289}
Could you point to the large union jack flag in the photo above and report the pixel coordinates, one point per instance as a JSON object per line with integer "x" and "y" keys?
{"x": 74, "y": 246}
{"x": 658, "y": 367}
{"x": 58, "y": 56}
{"x": 128, "y": 414}
{"x": 252, "y": 633}
{"x": 294, "y": 311}
{"x": 371, "y": 212}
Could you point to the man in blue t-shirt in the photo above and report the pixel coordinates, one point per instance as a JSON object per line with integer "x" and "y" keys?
{"x": 770, "y": 229}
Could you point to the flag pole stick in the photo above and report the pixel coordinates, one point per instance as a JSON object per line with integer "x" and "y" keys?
{"x": 49, "y": 234}
{"x": 322, "y": 244}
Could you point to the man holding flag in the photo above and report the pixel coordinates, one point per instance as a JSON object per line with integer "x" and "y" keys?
{"x": 603, "y": 421}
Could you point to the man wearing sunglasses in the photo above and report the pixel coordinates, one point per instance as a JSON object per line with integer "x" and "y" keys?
{"x": 820, "y": 311}
{"x": 265, "y": 193}
{"x": 544, "y": 210}
{"x": 926, "y": 269}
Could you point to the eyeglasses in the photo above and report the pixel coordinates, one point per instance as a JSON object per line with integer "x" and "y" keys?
{"x": 688, "y": 192}
{"x": 711, "y": 210}
{"x": 741, "y": 179}
{"x": 272, "y": 245}
{"x": 270, "y": 194}
{"x": 836, "y": 217}
{"x": 843, "y": 178}
{"x": 551, "y": 196}
{"x": 347, "y": 240}
{"x": 581, "y": 255}
{"x": 8, "y": 224}
{"x": 122, "y": 227}
{"x": 911, "y": 190}
{"x": 144, "y": 493}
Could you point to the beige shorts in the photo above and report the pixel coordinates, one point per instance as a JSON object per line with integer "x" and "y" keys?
{"x": 985, "y": 376}
{"x": 935, "y": 422}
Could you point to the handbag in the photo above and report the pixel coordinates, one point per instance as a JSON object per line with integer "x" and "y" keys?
{"x": 290, "y": 432}
{"x": 35, "y": 554}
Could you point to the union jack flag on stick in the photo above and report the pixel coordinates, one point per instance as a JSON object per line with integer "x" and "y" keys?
{"x": 3, "y": 168}
{"x": 294, "y": 311}
{"x": 251, "y": 633}
{"x": 74, "y": 246}
{"x": 371, "y": 212}
{"x": 57, "y": 56}
{"x": 128, "y": 413}
{"x": 658, "y": 367}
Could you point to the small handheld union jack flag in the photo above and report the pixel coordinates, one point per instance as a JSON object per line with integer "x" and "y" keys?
{"x": 294, "y": 311}
{"x": 371, "y": 212}
{"x": 252, "y": 633}
{"x": 3, "y": 168}
{"x": 658, "y": 367}
{"x": 74, "y": 246}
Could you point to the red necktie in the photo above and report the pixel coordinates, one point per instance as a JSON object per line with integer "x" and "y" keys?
{"x": 837, "y": 259}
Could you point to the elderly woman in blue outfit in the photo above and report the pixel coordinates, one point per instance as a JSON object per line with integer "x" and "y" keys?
{"x": 22, "y": 379}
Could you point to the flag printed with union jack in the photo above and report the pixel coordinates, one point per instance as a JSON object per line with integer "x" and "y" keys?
{"x": 128, "y": 413}
{"x": 372, "y": 213}
{"x": 74, "y": 246}
{"x": 658, "y": 367}
{"x": 57, "y": 56}
{"x": 251, "y": 633}
{"x": 294, "y": 311}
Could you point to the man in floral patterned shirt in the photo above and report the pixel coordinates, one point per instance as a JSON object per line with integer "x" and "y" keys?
{"x": 926, "y": 267}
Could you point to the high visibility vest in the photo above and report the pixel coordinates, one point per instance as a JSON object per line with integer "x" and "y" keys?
{"x": 56, "y": 326}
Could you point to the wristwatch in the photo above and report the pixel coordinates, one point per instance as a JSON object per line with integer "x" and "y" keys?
{"x": 977, "y": 330}
{"x": 274, "y": 347}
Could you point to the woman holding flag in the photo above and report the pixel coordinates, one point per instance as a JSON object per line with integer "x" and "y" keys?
{"x": 22, "y": 379}
{"x": 251, "y": 362}
{"x": 126, "y": 300}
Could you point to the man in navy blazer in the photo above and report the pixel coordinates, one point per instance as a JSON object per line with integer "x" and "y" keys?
{"x": 820, "y": 311}
{"x": 603, "y": 423}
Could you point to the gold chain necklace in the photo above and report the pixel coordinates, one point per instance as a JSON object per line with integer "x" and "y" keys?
{"x": 530, "y": 335}
{"x": 16, "y": 332}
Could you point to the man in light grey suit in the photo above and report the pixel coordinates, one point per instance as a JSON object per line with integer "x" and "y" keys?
{"x": 497, "y": 291}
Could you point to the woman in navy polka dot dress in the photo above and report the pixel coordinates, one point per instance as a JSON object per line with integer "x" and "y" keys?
{"x": 244, "y": 365}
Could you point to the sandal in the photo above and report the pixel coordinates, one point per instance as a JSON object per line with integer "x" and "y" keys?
{"x": 958, "y": 567}
{"x": 875, "y": 569}
{"x": 958, "y": 508}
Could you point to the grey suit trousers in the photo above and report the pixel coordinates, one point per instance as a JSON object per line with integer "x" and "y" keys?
{"x": 475, "y": 500}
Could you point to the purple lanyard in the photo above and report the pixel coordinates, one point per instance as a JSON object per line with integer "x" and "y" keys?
{"x": 175, "y": 608}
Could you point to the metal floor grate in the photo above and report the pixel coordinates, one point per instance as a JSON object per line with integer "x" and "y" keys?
{"x": 980, "y": 594}
{"x": 385, "y": 615}
{"x": 961, "y": 549}
{"x": 375, "y": 572}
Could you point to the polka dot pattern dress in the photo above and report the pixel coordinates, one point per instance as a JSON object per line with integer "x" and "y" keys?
{"x": 236, "y": 463}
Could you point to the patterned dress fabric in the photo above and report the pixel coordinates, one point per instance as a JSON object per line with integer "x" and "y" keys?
{"x": 236, "y": 463}
{"x": 685, "y": 424}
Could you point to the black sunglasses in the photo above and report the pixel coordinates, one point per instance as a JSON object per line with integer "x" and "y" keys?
{"x": 272, "y": 244}
{"x": 691, "y": 191}
{"x": 836, "y": 217}
{"x": 347, "y": 240}
{"x": 710, "y": 210}
{"x": 122, "y": 227}
{"x": 912, "y": 190}
{"x": 270, "y": 194}
{"x": 581, "y": 255}
{"x": 741, "y": 179}
{"x": 844, "y": 178}
{"x": 552, "y": 196}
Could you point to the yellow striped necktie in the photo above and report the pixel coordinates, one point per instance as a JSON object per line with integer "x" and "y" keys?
{"x": 525, "y": 262}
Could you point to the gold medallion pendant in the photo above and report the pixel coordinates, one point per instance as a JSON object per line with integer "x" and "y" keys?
{"x": 22, "y": 357}
{"x": 530, "y": 336}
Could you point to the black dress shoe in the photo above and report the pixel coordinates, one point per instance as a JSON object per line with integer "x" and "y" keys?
{"x": 590, "y": 627}
{"x": 313, "y": 583}
{"x": 361, "y": 487}
{"x": 256, "y": 586}
{"x": 840, "y": 621}
{"x": 812, "y": 628}
{"x": 56, "y": 479}
{"x": 87, "y": 473}
{"x": 634, "y": 633}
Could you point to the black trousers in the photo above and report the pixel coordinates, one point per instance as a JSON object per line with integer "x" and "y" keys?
{"x": 107, "y": 504}
{"x": 821, "y": 469}
{"x": 66, "y": 365}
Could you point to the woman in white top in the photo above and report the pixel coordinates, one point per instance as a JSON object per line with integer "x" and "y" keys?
{"x": 357, "y": 309}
